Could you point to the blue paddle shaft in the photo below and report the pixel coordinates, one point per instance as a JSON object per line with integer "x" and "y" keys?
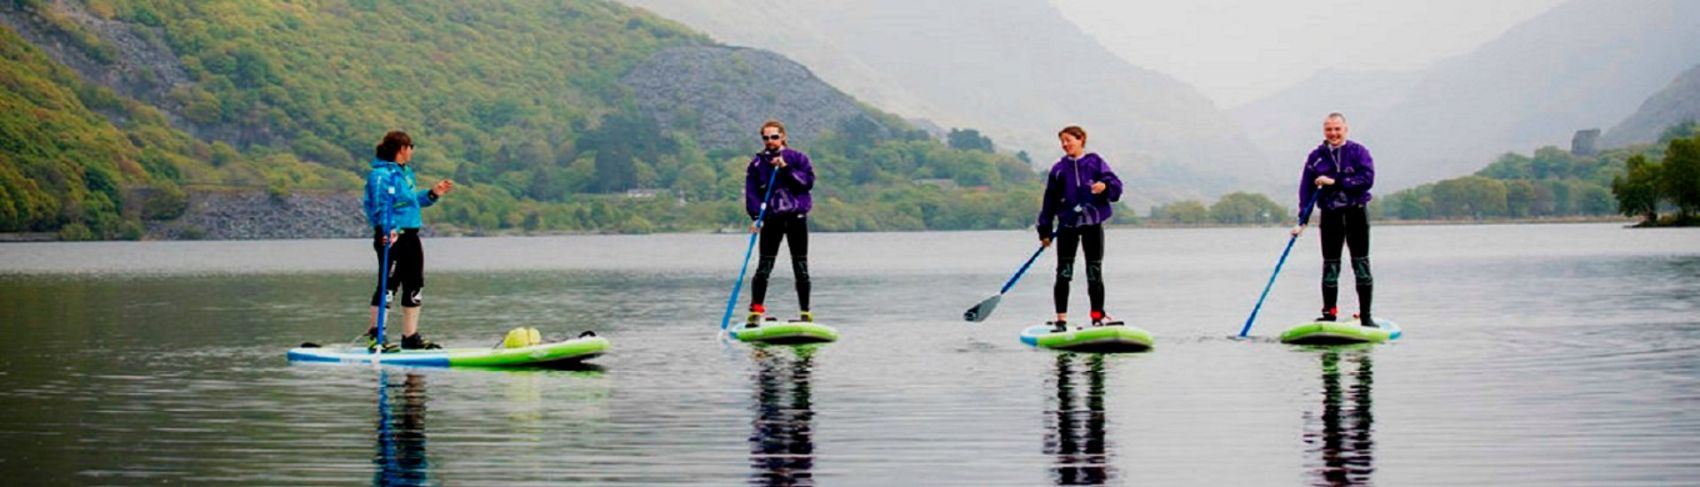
{"x": 1017, "y": 276}
{"x": 384, "y": 267}
{"x": 1304, "y": 217}
{"x": 738, "y": 285}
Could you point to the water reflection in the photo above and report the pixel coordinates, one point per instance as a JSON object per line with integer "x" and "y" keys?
{"x": 1074, "y": 431}
{"x": 1341, "y": 447}
{"x": 401, "y": 456}
{"x": 782, "y": 447}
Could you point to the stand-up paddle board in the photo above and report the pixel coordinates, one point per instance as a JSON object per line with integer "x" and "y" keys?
{"x": 1107, "y": 339}
{"x": 545, "y": 354}
{"x": 786, "y": 333}
{"x": 1341, "y": 332}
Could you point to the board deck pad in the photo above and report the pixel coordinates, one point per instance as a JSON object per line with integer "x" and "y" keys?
{"x": 1343, "y": 332}
{"x": 1105, "y": 339}
{"x": 784, "y": 333}
{"x": 546, "y": 354}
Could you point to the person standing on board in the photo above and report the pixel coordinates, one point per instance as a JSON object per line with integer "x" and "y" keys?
{"x": 392, "y": 208}
{"x": 1078, "y": 195}
{"x": 1337, "y": 177}
{"x": 786, "y": 217}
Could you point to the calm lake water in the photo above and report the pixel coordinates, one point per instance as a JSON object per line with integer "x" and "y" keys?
{"x": 1533, "y": 355}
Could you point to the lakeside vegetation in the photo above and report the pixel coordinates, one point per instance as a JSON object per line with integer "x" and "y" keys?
{"x": 1644, "y": 180}
{"x": 521, "y": 103}
{"x": 1651, "y": 185}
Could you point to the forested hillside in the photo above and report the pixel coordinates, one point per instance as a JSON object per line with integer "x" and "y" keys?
{"x": 527, "y": 104}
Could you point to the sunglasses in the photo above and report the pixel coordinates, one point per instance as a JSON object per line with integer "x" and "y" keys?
{"x": 772, "y": 137}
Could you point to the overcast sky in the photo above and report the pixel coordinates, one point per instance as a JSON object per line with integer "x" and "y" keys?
{"x": 1236, "y": 51}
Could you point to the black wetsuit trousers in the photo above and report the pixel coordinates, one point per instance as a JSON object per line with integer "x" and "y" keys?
{"x": 794, "y": 230}
{"x": 1348, "y": 226}
{"x": 406, "y": 267}
{"x": 1090, "y": 238}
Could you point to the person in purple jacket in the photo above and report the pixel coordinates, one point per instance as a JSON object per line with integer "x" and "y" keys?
{"x": 1078, "y": 196}
{"x": 1337, "y": 177}
{"x": 786, "y": 217}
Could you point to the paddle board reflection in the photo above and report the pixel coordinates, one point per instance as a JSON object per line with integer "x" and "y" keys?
{"x": 1338, "y": 440}
{"x": 400, "y": 458}
{"x": 782, "y": 448}
{"x": 1074, "y": 432}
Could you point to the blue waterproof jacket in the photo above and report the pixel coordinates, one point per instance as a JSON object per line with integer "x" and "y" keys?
{"x": 392, "y": 200}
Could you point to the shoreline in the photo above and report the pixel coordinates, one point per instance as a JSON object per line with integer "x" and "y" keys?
{"x": 450, "y": 231}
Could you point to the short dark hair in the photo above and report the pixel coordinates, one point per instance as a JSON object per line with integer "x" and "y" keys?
{"x": 1076, "y": 131}
{"x": 393, "y": 142}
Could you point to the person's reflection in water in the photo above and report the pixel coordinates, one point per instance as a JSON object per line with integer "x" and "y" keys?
{"x": 1343, "y": 447}
{"x": 1075, "y": 435}
{"x": 782, "y": 448}
{"x": 401, "y": 432}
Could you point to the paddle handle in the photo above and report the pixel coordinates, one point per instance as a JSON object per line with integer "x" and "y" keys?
{"x": 1304, "y": 216}
{"x": 1023, "y": 270}
{"x": 738, "y": 285}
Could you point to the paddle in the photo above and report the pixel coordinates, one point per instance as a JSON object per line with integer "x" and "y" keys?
{"x": 738, "y": 285}
{"x": 384, "y": 269}
{"x": 1304, "y": 216}
{"x": 983, "y": 310}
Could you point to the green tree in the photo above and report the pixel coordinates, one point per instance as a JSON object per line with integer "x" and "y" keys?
{"x": 1638, "y": 192}
{"x": 1519, "y": 198}
{"x": 1243, "y": 208}
{"x": 969, "y": 139}
{"x": 1188, "y": 212}
{"x": 1474, "y": 197}
{"x": 1681, "y": 175}
{"x": 695, "y": 183}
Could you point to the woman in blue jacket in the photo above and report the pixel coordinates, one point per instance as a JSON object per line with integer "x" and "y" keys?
{"x": 1078, "y": 196}
{"x": 392, "y": 208}
{"x": 786, "y": 218}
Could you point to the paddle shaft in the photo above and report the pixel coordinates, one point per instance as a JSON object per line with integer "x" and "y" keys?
{"x": 1304, "y": 217}
{"x": 738, "y": 285}
{"x": 384, "y": 267}
{"x": 1023, "y": 270}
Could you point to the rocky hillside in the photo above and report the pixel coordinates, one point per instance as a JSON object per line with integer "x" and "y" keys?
{"x": 258, "y": 215}
{"x": 727, "y": 92}
{"x": 132, "y": 59}
{"x": 573, "y": 115}
{"x": 1679, "y": 102}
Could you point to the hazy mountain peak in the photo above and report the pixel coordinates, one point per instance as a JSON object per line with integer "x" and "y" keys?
{"x": 1014, "y": 69}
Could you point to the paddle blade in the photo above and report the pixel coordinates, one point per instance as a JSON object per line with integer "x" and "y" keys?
{"x": 983, "y": 310}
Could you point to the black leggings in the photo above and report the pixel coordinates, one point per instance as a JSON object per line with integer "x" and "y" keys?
{"x": 1349, "y": 226}
{"x": 795, "y": 230}
{"x": 1091, "y": 237}
{"x": 406, "y": 267}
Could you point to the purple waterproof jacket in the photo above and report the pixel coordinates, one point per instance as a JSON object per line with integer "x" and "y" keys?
{"x": 1353, "y": 172}
{"x": 1068, "y": 193}
{"x": 790, "y": 188}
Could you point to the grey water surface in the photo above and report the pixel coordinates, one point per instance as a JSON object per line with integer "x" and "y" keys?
{"x": 1533, "y": 355}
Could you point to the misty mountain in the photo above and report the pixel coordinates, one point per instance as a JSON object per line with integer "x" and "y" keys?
{"x": 1679, "y": 102}
{"x": 1288, "y": 124}
{"x": 1014, "y": 69}
{"x": 1584, "y": 64}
